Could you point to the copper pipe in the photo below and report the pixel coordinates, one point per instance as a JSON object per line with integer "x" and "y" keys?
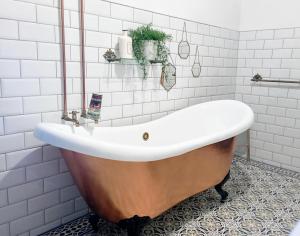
{"x": 82, "y": 55}
{"x": 63, "y": 52}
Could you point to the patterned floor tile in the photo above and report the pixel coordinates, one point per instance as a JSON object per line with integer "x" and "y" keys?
{"x": 263, "y": 200}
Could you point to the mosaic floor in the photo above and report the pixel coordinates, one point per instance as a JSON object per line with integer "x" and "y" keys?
{"x": 263, "y": 200}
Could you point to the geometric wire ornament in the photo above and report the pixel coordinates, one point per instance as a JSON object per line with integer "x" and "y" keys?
{"x": 196, "y": 68}
{"x": 168, "y": 76}
{"x": 184, "y": 46}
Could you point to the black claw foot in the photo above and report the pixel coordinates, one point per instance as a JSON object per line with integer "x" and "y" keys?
{"x": 219, "y": 189}
{"x": 94, "y": 219}
{"x": 134, "y": 225}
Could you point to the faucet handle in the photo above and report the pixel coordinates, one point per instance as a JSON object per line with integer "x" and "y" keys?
{"x": 74, "y": 112}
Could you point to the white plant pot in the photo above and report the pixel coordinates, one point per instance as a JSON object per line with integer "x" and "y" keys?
{"x": 150, "y": 49}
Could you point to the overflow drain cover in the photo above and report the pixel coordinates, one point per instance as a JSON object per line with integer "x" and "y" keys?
{"x": 145, "y": 136}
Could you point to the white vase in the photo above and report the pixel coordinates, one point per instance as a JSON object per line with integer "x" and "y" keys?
{"x": 125, "y": 46}
{"x": 150, "y": 50}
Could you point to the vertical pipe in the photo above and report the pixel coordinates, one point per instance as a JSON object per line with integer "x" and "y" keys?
{"x": 63, "y": 53}
{"x": 248, "y": 145}
{"x": 82, "y": 55}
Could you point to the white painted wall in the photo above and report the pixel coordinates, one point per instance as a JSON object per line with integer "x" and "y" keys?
{"x": 269, "y": 14}
{"x": 214, "y": 12}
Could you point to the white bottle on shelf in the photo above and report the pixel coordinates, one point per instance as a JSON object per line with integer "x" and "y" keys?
{"x": 125, "y": 46}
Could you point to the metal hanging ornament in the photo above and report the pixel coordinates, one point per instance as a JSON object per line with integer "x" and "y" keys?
{"x": 196, "y": 68}
{"x": 168, "y": 75}
{"x": 184, "y": 46}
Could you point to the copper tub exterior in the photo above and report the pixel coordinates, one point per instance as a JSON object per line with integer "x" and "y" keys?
{"x": 118, "y": 190}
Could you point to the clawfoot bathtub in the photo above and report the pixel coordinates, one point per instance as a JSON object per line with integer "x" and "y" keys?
{"x": 133, "y": 173}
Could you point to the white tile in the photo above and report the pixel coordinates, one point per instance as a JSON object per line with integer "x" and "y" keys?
{"x": 59, "y": 211}
{"x": 48, "y": 51}
{"x": 119, "y": 98}
{"x": 109, "y": 25}
{"x": 271, "y": 63}
{"x": 265, "y": 34}
{"x": 27, "y": 223}
{"x": 2, "y": 167}
{"x": 57, "y": 182}
{"x": 43, "y": 202}
{"x": 290, "y": 63}
{"x": 100, "y": 8}
{"x": 122, "y": 122}
{"x": 291, "y": 43}
{"x": 284, "y": 33}
{"x": 255, "y": 44}
{"x": 112, "y": 112}
{"x": 25, "y": 191}
{"x": 282, "y": 53}
{"x": 98, "y": 70}
{"x": 23, "y": 158}
{"x": 1, "y": 126}
{"x": 9, "y": 29}
{"x": 3, "y": 199}
{"x": 48, "y": 15}
{"x": 38, "y": 68}
{"x": 10, "y": 143}
{"x": 12, "y": 9}
{"x": 9, "y": 68}
{"x": 98, "y": 39}
{"x": 72, "y": 36}
{"x": 271, "y": 44}
{"x": 15, "y": 211}
{"x": 42, "y": 170}
{"x": 91, "y": 22}
{"x": 50, "y": 86}
{"x": 11, "y": 106}
{"x": 51, "y": 153}
{"x": 121, "y": 12}
{"x": 132, "y": 110}
{"x": 20, "y": 87}
{"x": 161, "y": 20}
{"x": 4, "y": 230}
{"x": 36, "y": 32}
{"x": 263, "y": 53}
{"x": 40, "y": 104}
{"x": 280, "y": 73}
{"x": 166, "y": 105}
{"x": 247, "y": 35}
{"x": 45, "y": 228}
{"x": 80, "y": 204}
{"x": 31, "y": 141}
{"x": 141, "y": 16}
{"x": 69, "y": 193}
{"x": 151, "y": 107}
{"x": 16, "y": 124}
{"x": 11, "y": 178}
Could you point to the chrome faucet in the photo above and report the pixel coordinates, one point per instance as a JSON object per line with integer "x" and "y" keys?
{"x": 73, "y": 119}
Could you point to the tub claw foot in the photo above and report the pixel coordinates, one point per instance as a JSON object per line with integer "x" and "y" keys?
{"x": 219, "y": 189}
{"x": 94, "y": 219}
{"x": 134, "y": 225}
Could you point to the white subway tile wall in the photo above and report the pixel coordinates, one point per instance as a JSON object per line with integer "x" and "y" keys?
{"x": 35, "y": 185}
{"x": 275, "y": 55}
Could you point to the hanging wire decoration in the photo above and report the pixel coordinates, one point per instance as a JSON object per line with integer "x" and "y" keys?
{"x": 196, "y": 68}
{"x": 184, "y": 46}
{"x": 168, "y": 75}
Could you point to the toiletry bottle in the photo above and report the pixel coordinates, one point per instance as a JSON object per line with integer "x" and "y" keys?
{"x": 95, "y": 107}
{"x": 125, "y": 46}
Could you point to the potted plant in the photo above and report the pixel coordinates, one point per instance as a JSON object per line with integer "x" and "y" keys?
{"x": 149, "y": 45}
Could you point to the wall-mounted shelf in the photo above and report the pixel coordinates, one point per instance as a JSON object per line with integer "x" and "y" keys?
{"x": 110, "y": 57}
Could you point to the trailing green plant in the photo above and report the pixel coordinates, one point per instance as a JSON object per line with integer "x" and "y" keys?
{"x": 146, "y": 32}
